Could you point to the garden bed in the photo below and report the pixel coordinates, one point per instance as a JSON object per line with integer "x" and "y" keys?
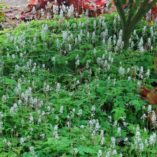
{"x": 68, "y": 89}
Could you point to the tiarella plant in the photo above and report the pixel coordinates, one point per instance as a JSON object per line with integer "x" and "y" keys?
{"x": 68, "y": 90}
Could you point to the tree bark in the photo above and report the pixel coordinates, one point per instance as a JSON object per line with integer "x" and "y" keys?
{"x": 130, "y": 19}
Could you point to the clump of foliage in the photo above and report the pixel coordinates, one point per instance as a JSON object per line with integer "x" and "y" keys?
{"x": 67, "y": 90}
{"x": 2, "y": 15}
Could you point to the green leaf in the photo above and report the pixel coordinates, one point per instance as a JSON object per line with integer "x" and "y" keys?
{"x": 118, "y": 113}
{"x": 8, "y": 81}
{"x": 86, "y": 150}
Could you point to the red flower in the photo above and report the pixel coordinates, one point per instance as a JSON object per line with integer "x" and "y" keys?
{"x": 39, "y": 3}
{"x": 154, "y": 12}
{"x": 88, "y": 4}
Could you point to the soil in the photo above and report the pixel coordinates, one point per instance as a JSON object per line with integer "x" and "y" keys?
{"x": 16, "y": 3}
{"x": 13, "y": 12}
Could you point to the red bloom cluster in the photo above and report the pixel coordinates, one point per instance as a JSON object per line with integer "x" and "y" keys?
{"x": 89, "y": 4}
{"x": 154, "y": 12}
{"x": 82, "y": 5}
{"x": 92, "y": 5}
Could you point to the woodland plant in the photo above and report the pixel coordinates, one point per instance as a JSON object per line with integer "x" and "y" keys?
{"x": 2, "y": 15}
{"x": 67, "y": 90}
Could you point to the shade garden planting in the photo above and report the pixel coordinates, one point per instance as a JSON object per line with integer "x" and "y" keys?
{"x": 70, "y": 89}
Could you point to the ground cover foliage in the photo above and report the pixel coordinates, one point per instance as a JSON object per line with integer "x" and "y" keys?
{"x": 68, "y": 89}
{"x": 2, "y": 15}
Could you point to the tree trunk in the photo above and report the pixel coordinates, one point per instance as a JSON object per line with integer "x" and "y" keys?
{"x": 155, "y": 63}
{"x": 126, "y": 36}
